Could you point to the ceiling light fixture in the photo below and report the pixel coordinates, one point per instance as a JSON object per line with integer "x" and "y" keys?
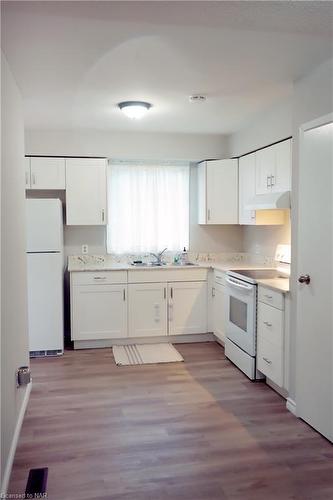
{"x": 134, "y": 109}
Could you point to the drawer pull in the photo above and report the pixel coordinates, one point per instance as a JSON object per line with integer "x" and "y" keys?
{"x": 267, "y": 324}
{"x": 99, "y": 277}
{"x": 268, "y": 297}
{"x": 267, "y": 360}
{"x": 213, "y": 291}
{"x": 124, "y": 295}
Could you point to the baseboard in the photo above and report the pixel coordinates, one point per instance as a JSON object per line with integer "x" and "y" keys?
{"x": 175, "y": 339}
{"x": 291, "y": 406}
{"x": 16, "y": 435}
{"x": 218, "y": 339}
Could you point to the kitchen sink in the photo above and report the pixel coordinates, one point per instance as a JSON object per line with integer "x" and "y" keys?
{"x": 152, "y": 264}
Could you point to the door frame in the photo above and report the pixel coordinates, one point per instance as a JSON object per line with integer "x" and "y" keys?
{"x": 305, "y": 127}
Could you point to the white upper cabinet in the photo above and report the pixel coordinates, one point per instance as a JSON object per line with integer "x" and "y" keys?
{"x": 273, "y": 168}
{"x": 247, "y": 187}
{"x": 281, "y": 179}
{"x": 218, "y": 192}
{"x": 86, "y": 192}
{"x": 27, "y": 172}
{"x": 47, "y": 173}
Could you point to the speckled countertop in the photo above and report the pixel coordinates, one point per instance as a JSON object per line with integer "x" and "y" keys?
{"x": 233, "y": 261}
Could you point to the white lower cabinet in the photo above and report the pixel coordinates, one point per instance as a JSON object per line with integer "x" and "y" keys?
{"x": 105, "y": 306}
{"x": 147, "y": 308}
{"x": 270, "y": 333}
{"x": 99, "y": 312}
{"x": 187, "y": 307}
{"x": 218, "y": 299}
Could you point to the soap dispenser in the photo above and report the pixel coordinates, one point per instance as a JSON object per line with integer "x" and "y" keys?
{"x": 184, "y": 257}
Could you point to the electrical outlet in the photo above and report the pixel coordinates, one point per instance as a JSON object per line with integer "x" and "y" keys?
{"x": 84, "y": 248}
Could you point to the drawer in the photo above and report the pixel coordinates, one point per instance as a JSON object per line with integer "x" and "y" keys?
{"x": 164, "y": 275}
{"x": 219, "y": 277}
{"x": 98, "y": 277}
{"x": 269, "y": 361}
{"x": 271, "y": 297}
{"x": 270, "y": 324}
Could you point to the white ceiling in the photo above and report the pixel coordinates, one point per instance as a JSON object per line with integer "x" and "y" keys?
{"x": 75, "y": 60}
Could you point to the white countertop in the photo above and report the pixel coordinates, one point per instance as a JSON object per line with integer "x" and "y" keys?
{"x": 101, "y": 263}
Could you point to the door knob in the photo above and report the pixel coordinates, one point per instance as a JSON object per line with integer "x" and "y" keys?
{"x": 304, "y": 278}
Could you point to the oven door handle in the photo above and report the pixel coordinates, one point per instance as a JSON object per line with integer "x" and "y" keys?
{"x": 239, "y": 285}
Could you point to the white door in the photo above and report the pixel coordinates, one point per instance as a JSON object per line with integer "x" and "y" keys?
{"x": 219, "y": 311}
{"x": 187, "y": 307}
{"x": 222, "y": 192}
{"x": 99, "y": 312}
{"x": 247, "y": 187}
{"x": 45, "y": 301}
{"x": 85, "y": 192}
{"x": 47, "y": 173}
{"x": 265, "y": 167}
{"x": 147, "y": 309}
{"x": 314, "y": 350}
{"x": 281, "y": 177}
{"x": 27, "y": 172}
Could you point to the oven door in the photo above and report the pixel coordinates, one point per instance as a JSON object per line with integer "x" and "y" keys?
{"x": 241, "y": 314}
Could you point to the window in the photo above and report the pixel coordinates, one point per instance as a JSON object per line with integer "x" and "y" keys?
{"x": 148, "y": 208}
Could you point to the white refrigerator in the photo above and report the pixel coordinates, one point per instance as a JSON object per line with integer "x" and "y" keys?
{"x": 45, "y": 276}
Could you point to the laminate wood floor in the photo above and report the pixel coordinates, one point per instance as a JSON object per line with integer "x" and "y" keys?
{"x": 198, "y": 430}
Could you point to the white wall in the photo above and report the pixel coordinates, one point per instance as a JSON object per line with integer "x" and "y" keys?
{"x": 262, "y": 240}
{"x": 266, "y": 128}
{"x": 126, "y": 145}
{"x": 14, "y": 332}
{"x": 313, "y": 98}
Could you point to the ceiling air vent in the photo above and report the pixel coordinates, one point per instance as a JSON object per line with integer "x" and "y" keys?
{"x": 197, "y": 98}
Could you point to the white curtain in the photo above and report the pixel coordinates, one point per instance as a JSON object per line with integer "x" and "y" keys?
{"x": 148, "y": 208}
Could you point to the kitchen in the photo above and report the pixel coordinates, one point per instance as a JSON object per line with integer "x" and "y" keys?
{"x": 168, "y": 259}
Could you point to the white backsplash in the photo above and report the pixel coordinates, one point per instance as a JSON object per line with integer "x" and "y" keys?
{"x": 199, "y": 257}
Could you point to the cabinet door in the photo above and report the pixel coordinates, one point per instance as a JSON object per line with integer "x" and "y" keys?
{"x": 265, "y": 167}
{"x": 201, "y": 180}
{"x": 147, "y": 309}
{"x": 99, "y": 312}
{"x": 281, "y": 177}
{"x": 187, "y": 307}
{"x": 27, "y": 172}
{"x": 222, "y": 192}
{"x": 219, "y": 311}
{"x": 85, "y": 192}
{"x": 48, "y": 173}
{"x": 247, "y": 187}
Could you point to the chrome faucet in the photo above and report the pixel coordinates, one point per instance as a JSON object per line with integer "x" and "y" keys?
{"x": 158, "y": 257}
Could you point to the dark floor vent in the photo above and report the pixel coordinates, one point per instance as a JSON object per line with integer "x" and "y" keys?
{"x": 37, "y": 483}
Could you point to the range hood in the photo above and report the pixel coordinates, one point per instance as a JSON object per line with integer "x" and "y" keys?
{"x": 269, "y": 201}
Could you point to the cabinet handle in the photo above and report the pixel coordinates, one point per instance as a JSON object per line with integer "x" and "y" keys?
{"x": 26, "y": 178}
{"x": 103, "y": 215}
{"x": 268, "y": 297}
{"x": 272, "y": 180}
{"x": 268, "y": 361}
{"x": 33, "y": 179}
{"x": 99, "y": 277}
{"x": 267, "y": 324}
{"x": 269, "y": 181}
{"x": 164, "y": 293}
{"x": 124, "y": 295}
{"x": 171, "y": 293}
{"x": 208, "y": 214}
{"x": 213, "y": 291}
